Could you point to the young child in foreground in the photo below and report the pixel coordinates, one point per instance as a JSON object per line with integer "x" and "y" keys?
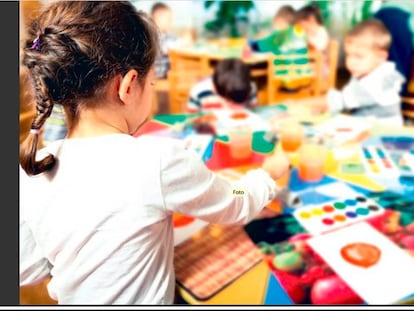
{"x": 96, "y": 208}
{"x": 375, "y": 84}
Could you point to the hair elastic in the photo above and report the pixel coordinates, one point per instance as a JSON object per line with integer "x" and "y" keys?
{"x": 34, "y": 131}
{"x": 36, "y": 43}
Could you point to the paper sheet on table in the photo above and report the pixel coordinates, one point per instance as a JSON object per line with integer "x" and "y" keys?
{"x": 387, "y": 281}
{"x": 337, "y": 187}
{"x": 224, "y": 120}
{"x": 342, "y": 129}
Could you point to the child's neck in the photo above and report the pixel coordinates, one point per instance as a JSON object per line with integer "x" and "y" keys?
{"x": 97, "y": 123}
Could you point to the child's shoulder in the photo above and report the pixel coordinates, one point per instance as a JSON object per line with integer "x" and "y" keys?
{"x": 202, "y": 85}
{"x": 387, "y": 71}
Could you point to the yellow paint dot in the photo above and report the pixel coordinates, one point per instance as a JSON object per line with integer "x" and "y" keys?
{"x": 317, "y": 212}
{"x": 304, "y": 215}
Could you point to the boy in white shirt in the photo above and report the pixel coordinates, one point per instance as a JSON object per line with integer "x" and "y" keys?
{"x": 375, "y": 84}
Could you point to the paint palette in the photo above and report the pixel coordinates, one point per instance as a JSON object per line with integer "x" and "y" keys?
{"x": 331, "y": 215}
{"x": 405, "y": 163}
{"x": 378, "y": 162}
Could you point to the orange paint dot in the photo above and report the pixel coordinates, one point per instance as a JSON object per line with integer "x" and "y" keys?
{"x": 239, "y": 115}
{"x": 339, "y": 217}
{"x": 328, "y": 208}
{"x": 361, "y": 254}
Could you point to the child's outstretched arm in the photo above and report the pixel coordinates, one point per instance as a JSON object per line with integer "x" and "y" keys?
{"x": 276, "y": 165}
{"x": 190, "y": 188}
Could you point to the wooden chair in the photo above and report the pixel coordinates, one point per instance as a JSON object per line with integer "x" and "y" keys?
{"x": 161, "y": 86}
{"x": 186, "y": 69}
{"x": 324, "y": 65}
{"x": 332, "y": 55}
{"x": 408, "y": 110}
{"x": 181, "y": 81}
{"x": 309, "y": 85}
{"x": 188, "y": 60}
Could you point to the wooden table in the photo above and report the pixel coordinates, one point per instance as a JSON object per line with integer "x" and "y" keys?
{"x": 258, "y": 285}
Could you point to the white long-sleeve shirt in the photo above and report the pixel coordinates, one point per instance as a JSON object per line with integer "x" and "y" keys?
{"x": 375, "y": 96}
{"x": 101, "y": 223}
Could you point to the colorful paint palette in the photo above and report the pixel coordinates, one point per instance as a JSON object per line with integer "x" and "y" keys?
{"x": 338, "y": 213}
{"x": 378, "y": 162}
{"x": 405, "y": 164}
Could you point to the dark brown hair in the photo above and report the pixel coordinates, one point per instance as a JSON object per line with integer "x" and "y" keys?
{"x": 74, "y": 49}
{"x": 232, "y": 80}
{"x": 307, "y": 11}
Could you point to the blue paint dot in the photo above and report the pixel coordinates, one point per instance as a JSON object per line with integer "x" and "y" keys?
{"x": 351, "y": 214}
{"x": 350, "y": 202}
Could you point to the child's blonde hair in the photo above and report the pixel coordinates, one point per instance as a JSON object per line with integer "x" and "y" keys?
{"x": 286, "y": 12}
{"x": 374, "y": 32}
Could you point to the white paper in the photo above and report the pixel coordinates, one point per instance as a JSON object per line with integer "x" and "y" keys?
{"x": 386, "y": 282}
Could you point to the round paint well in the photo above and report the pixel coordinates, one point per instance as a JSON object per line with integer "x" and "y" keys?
{"x": 362, "y": 211}
{"x": 339, "y": 205}
{"x": 327, "y": 221}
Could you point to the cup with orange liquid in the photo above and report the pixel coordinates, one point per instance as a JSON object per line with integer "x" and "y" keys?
{"x": 311, "y": 162}
{"x": 291, "y": 135}
{"x": 240, "y": 136}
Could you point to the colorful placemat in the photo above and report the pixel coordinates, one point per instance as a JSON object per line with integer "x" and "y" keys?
{"x": 213, "y": 258}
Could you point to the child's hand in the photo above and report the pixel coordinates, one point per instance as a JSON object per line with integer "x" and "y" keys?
{"x": 276, "y": 165}
{"x": 319, "y": 105}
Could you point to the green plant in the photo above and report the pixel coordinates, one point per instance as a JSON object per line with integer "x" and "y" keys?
{"x": 354, "y": 11}
{"x": 228, "y": 16}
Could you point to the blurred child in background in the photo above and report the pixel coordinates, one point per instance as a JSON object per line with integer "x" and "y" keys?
{"x": 289, "y": 43}
{"x": 163, "y": 16}
{"x": 230, "y": 86}
{"x": 284, "y": 17}
{"x": 309, "y": 18}
{"x": 375, "y": 84}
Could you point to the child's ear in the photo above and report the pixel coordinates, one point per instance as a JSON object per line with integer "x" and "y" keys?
{"x": 384, "y": 54}
{"x": 126, "y": 85}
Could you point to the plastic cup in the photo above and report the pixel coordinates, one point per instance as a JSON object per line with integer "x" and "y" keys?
{"x": 240, "y": 137}
{"x": 291, "y": 135}
{"x": 311, "y": 162}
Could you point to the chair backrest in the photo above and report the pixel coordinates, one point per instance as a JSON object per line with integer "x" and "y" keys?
{"x": 332, "y": 64}
{"x": 408, "y": 110}
{"x": 161, "y": 86}
{"x": 324, "y": 66}
{"x": 295, "y": 72}
{"x": 181, "y": 81}
{"x": 187, "y": 60}
{"x": 186, "y": 69}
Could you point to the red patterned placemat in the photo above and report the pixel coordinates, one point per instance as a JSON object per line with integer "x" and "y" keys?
{"x": 213, "y": 258}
